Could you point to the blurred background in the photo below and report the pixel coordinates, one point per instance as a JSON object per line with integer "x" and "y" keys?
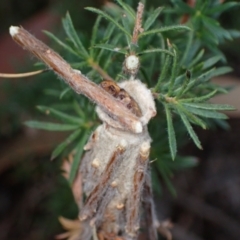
{"x": 32, "y": 191}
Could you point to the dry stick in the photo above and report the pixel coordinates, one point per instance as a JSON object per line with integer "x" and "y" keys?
{"x": 96, "y": 67}
{"x": 21, "y": 75}
{"x": 138, "y": 24}
{"x": 78, "y": 82}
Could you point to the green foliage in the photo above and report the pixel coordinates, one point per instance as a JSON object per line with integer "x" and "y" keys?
{"x": 177, "y": 63}
{"x": 77, "y": 156}
{"x": 59, "y": 149}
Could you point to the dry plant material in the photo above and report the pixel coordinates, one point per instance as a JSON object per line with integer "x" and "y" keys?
{"x": 138, "y": 24}
{"x": 21, "y": 75}
{"x": 73, "y": 228}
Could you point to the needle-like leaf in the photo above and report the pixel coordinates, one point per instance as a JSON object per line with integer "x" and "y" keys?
{"x": 51, "y": 126}
{"x": 77, "y": 157}
{"x": 171, "y": 132}
{"x": 59, "y": 149}
{"x": 189, "y": 128}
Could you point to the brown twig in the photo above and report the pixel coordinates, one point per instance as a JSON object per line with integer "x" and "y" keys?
{"x": 77, "y": 81}
{"x": 138, "y": 23}
{"x": 96, "y": 67}
{"x": 21, "y": 75}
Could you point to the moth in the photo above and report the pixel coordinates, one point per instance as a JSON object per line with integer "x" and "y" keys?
{"x": 114, "y": 170}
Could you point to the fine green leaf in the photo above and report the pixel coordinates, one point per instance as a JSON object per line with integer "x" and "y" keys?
{"x": 174, "y": 72}
{"x": 77, "y": 157}
{"x": 202, "y": 98}
{"x": 79, "y": 65}
{"x": 59, "y": 149}
{"x": 209, "y": 106}
{"x": 94, "y": 35}
{"x": 183, "y": 163}
{"x": 205, "y": 113}
{"x": 200, "y": 79}
{"x": 111, "y": 48}
{"x": 183, "y": 85}
{"x": 164, "y": 73}
{"x": 60, "y": 115}
{"x": 234, "y": 33}
{"x": 71, "y": 33}
{"x": 62, "y": 44}
{"x": 151, "y": 19}
{"x": 221, "y": 71}
{"x": 165, "y": 29}
{"x": 186, "y": 58}
{"x": 156, "y": 184}
{"x": 211, "y": 61}
{"x": 109, "y": 18}
{"x": 166, "y": 174}
{"x": 214, "y": 28}
{"x": 182, "y": 7}
{"x": 128, "y": 26}
{"x": 209, "y": 38}
{"x": 169, "y": 184}
{"x": 51, "y": 126}
{"x": 171, "y": 133}
{"x": 52, "y": 92}
{"x": 221, "y": 8}
{"x": 222, "y": 124}
{"x": 109, "y": 31}
{"x": 79, "y": 110}
{"x": 163, "y": 46}
{"x": 127, "y": 8}
{"x": 190, "y": 129}
{"x": 196, "y": 59}
{"x": 191, "y": 117}
{"x": 156, "y": 50}
{"x": 64, "y": 92}
{"x": 206, "y": 77}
